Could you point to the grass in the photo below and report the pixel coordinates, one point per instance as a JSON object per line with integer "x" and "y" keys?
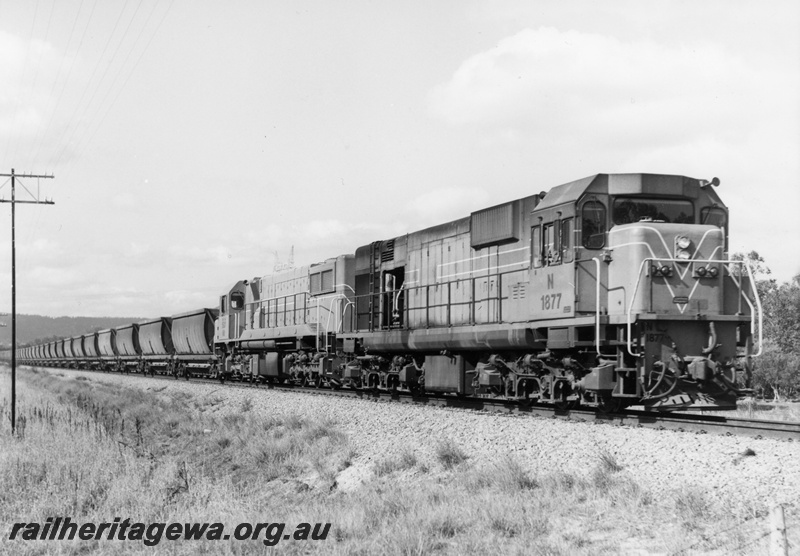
{"x": 93, "y": 452}
{"x": 406, "y": 460}
{"x": 751, "y": 408}
{"x": 449, "y": 454}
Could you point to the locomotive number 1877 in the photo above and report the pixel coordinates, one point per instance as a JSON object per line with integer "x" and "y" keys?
{"x": 551, "y": 301}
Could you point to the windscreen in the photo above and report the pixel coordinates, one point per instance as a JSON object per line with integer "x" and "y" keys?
{"x": 634, "y": 209}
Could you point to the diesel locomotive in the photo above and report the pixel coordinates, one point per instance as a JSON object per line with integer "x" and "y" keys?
{"x": 609, "y": 291}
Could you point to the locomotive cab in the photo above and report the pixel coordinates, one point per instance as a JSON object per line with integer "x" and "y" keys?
{"x": 664, "y": 287}
{"x": 231, "y": 321}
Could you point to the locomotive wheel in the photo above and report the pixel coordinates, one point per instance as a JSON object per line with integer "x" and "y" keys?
{"x": 561, "y": 391}
{"x": 565, "y": 405}
{"x": 608, "y": 404}
{"x": 529, "y": 389}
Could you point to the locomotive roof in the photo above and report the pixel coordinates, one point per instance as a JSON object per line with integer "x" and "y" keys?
{"x": 568, "y": 192}
{"x": 626, "y": 184}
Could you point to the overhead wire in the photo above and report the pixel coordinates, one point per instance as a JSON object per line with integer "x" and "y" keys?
{"x": 87, "y": 116}
{"x": 23, "y": 71}
{"x": 38, "y": 65}
{"x": 71, "y": 124}
{"x": 130, "y": 73}
{"x": 43, "y": 132}
{"x": 72, "y": 65}
{"x": 81, "y": 139}
{"x": 29, "y": 234}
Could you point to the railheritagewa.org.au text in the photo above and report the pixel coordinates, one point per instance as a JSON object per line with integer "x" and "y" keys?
{"x": 151, "y": 534}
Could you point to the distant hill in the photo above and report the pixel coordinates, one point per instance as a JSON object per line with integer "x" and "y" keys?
{"x": 36, "y": 328}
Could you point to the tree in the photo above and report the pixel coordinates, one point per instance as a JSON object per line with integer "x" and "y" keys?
{"x": 782, "y": 317}
{"x": 777, "y": 373}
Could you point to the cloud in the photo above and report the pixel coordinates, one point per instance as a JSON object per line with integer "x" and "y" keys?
{"x": 23, "y": 109}
{"x": 575, "y": 86}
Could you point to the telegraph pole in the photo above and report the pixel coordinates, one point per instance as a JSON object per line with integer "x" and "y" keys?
{"x": 35, "y": 201}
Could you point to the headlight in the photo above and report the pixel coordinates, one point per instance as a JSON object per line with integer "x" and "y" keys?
{"x": 683, "y": 255}
{"x": 683, "y": 242}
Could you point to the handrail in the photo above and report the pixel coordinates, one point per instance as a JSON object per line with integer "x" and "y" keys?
{"x": 498, "y": 297}
{"x": 760, "y": 312}
{"x": 597, "y": 307}
{"x": 703, "y": 261}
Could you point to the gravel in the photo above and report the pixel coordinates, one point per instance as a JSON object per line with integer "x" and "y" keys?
{"x": 663, "y": 462}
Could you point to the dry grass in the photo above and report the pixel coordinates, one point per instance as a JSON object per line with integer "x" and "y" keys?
{"x": 93, "y": 452}
{"x": 389, "y": 465}
{"x": 449, "y": 454}
{"x": 751, "y": 408}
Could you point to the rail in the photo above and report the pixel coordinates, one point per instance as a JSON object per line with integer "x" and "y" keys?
{"x": 728, "y": 266}
{"x": 677, "y": 421}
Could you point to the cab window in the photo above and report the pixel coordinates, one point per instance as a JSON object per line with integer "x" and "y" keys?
{"x": 634, "y": 209}
{"x": 593, "y": 225}
{"x": 549, "y": 248}
{"x": 566, "y": 240}
{"x": 237, "y": 300}
{"x": 714, "y": 216}
{"x": 536, "y": 246}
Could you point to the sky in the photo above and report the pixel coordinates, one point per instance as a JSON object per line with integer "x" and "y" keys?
{"x": 197, "y": 143}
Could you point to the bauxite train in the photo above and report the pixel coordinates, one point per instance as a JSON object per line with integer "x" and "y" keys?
{"x": 609, "y": 291}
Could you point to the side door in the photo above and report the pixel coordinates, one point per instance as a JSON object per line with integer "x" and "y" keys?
{"x": 591, "y": 239}
{"x": 552, "y": 282}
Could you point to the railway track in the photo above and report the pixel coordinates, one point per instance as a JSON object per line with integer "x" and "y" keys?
{"x": 685, "y": 422}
